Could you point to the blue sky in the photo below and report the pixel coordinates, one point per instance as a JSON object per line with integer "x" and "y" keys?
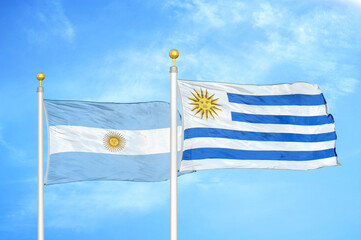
{"x": 118, "y": 51}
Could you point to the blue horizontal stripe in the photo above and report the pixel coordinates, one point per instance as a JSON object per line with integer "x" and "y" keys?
{"x": 124, "y": 116}
{"x": 282, "y": 119}
{"x": 257, "y": 136}
{"x": 80, "y": 166}
{"x": 275, "y": 100}
{"x": 225, "y": 153}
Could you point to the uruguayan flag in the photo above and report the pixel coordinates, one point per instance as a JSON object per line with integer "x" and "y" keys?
{"x": 282, "y": 126}
{"x": 107, "y": 141}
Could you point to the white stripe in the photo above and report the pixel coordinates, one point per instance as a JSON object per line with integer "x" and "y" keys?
{"x": 251, "y": 89}
{"x": 256, "y": 145}
{"x": 278, "y": 110}
{"x": 226, "y": 163}
{"x": 270, "y": 128}
{"x": 86, "y": 139}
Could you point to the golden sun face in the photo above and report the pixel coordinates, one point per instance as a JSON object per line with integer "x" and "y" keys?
{"x": 114, "y": 141}
{"x": 204, "y": 104}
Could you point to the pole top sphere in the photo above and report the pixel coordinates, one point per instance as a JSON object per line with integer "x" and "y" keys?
{"x": 173, "y": 53}
{"x": 40, "y": 76}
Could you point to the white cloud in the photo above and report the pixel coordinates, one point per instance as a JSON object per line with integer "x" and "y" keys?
{"x": 135, "y": 74}
{"x": 82, "y": 206}
{"x": 353, "y": 2}
{"x": 348, "y": 85}
{"x": 314, "y": 44}
{"x": 338, "y": 87}
{"x": 210, "y": 13}
{"x": 267, "y": 16}
{"x": 230, "y": 42}
{"x": 307, "y": 41}
{"x": 52, "y": 22}
{"x": 13, "y": 150}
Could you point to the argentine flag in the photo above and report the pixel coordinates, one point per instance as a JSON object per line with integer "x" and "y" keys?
{"x": 107, "y": 141}
{"x": 282, "y": 126}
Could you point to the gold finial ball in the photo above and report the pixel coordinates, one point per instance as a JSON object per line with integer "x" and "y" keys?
{"x": 40, "y": 76}
{"x": 173, "y": 53}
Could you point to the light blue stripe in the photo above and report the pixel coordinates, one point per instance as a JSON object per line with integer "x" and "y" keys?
{"x": 124, "y": 116}
{"x": 257, "y": 136}
{"x": 79, "y": 166}
{"x": 282, "y": 119}
{"x": 235, "y": 154}
{"x": 277, "y": 100}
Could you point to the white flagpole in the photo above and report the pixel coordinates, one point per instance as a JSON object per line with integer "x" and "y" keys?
{"x": 173, "y": 148}
{"x": 40, "y": 76}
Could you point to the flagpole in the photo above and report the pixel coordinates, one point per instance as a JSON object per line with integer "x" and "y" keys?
{"x": 173, "y": 148}
{"x": 40, "y": 76}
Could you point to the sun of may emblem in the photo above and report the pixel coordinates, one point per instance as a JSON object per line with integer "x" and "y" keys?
{"x": 114, "y": 141}
{"x": 204, "y": 104}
